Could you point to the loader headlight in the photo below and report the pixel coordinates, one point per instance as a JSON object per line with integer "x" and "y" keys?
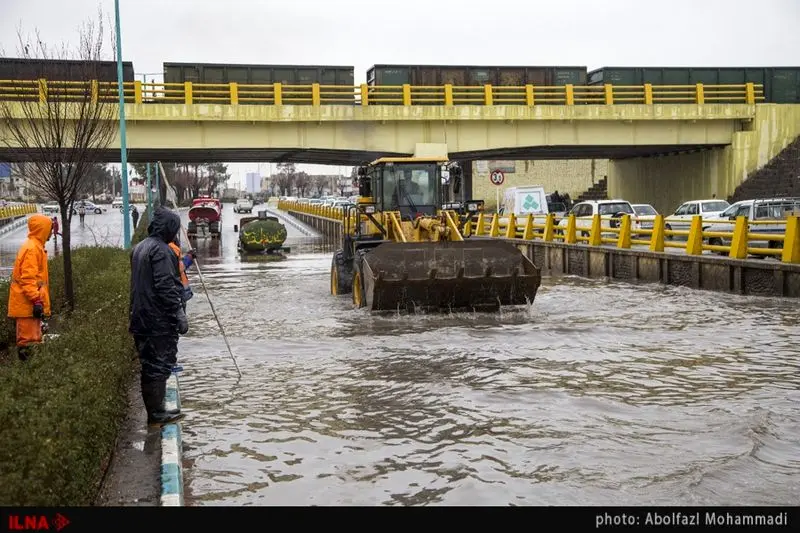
{"x": 369, "y": 209}
{"x": 473, "y": 207}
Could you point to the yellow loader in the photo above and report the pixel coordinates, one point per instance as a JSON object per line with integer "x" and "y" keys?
{"x": 402, "y": 251}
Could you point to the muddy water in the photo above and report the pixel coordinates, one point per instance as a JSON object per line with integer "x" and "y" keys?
{"x": 600, "y": 393}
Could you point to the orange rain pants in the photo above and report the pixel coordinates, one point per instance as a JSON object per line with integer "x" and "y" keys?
{"x": 29, "y": 331}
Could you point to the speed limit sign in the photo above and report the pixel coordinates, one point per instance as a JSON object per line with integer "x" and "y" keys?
{"x": 497, "y": 177}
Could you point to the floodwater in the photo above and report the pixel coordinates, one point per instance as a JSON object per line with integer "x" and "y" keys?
{"x": 600, "y": 393}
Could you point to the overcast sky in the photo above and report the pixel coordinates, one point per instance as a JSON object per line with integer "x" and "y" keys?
{"x": 361, "y": 33}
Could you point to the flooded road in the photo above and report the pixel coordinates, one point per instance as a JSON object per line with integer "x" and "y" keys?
{"x": 103, "y": 229}
{"x": 600, "y": 393}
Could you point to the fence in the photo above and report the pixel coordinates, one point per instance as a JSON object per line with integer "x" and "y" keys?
{"x": 316, "y": 94}
{"x": 745, "y": 238}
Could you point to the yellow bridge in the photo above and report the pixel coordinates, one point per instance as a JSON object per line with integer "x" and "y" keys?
{"x": 665, "y": 143}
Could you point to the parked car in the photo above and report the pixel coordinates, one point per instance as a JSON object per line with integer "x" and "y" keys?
{"x": 771, "y": 210}
{"x": 51, "y": 208}
{"x": 585, "y": 211}
{"x": 681, "y": 219}
{"x": 117, "y": 203}
{"x": 645, "y": 214}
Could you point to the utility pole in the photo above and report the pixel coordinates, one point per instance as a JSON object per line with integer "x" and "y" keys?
{"x": 123, "y": 145}
{"x": 149, "y": 192}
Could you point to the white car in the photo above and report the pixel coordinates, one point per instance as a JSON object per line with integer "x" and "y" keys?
{"x": 243, "y": 205}
{"x": 773, "y": 210}
{"x": 89, "y": 207}
{"x": 585, "y": 211}
{"x": 681, "y": 219}
{"x": 645, "y": 214}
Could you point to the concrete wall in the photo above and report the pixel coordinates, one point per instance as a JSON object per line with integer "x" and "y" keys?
{"x": 566, "y": 176}
{"x": 751, "y": 277}
{"x": 667, "y": 181}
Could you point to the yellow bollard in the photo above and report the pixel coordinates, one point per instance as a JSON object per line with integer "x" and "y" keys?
{"x": 739, "y": 241}
{"x": 596, "y": 233}
{"x": 624, "y": 238}
{"x": 657, "y": 237}
{"x": 694, "y": 244}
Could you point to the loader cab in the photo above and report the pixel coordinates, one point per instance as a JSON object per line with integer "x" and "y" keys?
{"x": 411, "y": 186}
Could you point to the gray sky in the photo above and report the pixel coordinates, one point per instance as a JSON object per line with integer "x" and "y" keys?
{"x": 361, "y": 33}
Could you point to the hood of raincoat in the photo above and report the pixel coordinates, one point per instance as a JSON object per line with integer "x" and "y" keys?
{"x": 165, "y": 224}
{"x": 39, "y": 227}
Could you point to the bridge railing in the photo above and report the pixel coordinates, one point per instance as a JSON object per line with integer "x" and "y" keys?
{"x": 316, "y": 94}
{"x": 14, "y": 211}
{"x": 781, "y": 235}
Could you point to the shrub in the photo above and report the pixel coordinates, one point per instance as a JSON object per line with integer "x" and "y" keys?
{"x": 140, "y": 232}
{"x": 61, "y": 411}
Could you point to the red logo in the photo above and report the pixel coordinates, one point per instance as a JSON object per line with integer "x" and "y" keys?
{"x": 60, "y": 521}
{"x": 18, "y": 522}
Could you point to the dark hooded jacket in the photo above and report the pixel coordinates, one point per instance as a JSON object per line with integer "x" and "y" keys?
{"x": 156, "y": 288}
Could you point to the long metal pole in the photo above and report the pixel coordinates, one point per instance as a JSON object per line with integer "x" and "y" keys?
{"x": 149, "y": 192}
{"x": 123, "y": 145}
{"x": 158, "y": 186}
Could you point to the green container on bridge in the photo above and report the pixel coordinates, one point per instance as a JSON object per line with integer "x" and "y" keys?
{"x": 459, "y": 75}
{"x": 12, "y": 68}
{"x": 471, "y": 76}
{"x": 781, "y": 84}
{"x": 245, "y": 74}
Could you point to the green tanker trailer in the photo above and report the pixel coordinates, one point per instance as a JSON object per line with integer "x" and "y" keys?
{"x": 261, "y": 235}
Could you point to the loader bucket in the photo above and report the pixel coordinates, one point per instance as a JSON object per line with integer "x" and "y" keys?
{"x": 477, "y": 274}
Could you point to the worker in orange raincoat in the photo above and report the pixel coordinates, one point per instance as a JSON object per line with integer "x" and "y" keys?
{"x": 29, "y": 293}
{"x": 184, "y": 262}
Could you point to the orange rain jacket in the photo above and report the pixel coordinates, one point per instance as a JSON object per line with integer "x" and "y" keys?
{"x": 175, "y": 248}
{"x": 30, "y": 277}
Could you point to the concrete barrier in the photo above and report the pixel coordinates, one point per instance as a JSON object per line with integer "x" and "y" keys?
{"x": 757, "y": 277}
{"x": 171, "y": 450}
{"x": 13, "y": 226}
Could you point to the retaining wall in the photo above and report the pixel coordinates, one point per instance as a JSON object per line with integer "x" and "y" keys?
{"x": 762, "y": 277}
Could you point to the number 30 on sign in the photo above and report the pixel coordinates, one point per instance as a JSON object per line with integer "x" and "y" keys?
{"x": 497, "y": 177}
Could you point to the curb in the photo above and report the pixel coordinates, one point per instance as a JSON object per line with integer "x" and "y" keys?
{"x": 13, "y": 226}
{"x": 171, "y": 471}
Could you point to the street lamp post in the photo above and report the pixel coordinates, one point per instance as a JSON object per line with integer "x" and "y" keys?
{"x": 123, "y": 145}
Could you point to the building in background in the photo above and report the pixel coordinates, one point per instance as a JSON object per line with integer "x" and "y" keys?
{"x": 252, "y": 182}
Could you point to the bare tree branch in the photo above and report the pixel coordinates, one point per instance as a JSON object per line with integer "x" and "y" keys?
{"x": 61, "y": 119}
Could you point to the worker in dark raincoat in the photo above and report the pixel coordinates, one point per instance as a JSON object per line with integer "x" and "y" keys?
{"x": 157, "y": 316}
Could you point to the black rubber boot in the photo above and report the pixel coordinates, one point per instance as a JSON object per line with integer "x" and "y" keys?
{"x": 24, "y": 353}
{"x": 153, "y": 394}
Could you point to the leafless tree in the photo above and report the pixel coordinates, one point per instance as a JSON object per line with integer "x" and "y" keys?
{"x": 320, "y": 182}
{"x": 303, "y": 183}
{"x": 61, "y": 126}
{"x": 285, "y": 178}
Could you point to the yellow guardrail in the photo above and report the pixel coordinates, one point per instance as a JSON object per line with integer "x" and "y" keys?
{"x": 14, "y": 211}
{"x": 316, "y": 94}
{"x": 623, "y": 232}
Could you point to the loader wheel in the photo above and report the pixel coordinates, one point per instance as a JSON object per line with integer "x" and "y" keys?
{"x": 358, "y": 287}
{"x": 341, "y": 275}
